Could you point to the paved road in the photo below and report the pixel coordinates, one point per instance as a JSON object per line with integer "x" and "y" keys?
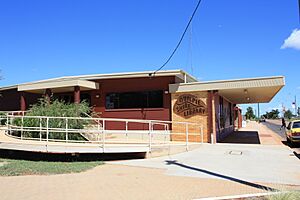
{"x": 274, "y": 125}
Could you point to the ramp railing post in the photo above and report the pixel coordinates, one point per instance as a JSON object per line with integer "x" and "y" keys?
{"x": 40, "y": 129}
{"x": 7, "y": 123}
{"x": 22, "y": 121}
{"x": 165, "y": 133}
{"x": 67, "y": 137}
{"x": 150, "y": 136}
{"x": 47, "y": 133}
{"x": 201, "y": 131}
{"x": 11, "y": 123}
{"x": 187, "y": 136}
{"x": 103, "y": 134}
{"x": 98, "y": 130}
{"x": 126, "y": 131}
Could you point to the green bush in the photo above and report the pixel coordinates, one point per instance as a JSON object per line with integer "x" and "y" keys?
{"x": 291, "y": 195}
{"x": 56, "y": 108}
{"x": 2, "y": 118}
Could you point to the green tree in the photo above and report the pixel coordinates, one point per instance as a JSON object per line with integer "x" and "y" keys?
{"x": 274, "y": 114}
{"x": 288, "y": 114}
{"x": 250, "y": 114}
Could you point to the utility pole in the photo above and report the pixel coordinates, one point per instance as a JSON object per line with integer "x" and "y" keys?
{"x": 258, "y": 111}
{"x": 296, "y": 105}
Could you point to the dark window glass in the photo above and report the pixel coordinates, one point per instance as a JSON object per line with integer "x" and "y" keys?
{"x": 221, "y": 106}
{"x": 230, "y": 114}
{"x": 148, "y": 99}
{"x": 86, "y": 97}
{"x": 296, "y": 125}
{"x": 64, "y": 97}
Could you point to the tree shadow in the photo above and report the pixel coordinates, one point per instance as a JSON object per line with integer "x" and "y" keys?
{"x": 297, "y": 145}
{"x": 242, "y": 137}
{"x": 67, "y": 157}
{"x": 294, "y": 145}
{"x": 258, "y": 186}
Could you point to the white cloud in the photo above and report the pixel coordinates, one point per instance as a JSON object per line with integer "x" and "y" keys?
{"x": 293, "y": 41}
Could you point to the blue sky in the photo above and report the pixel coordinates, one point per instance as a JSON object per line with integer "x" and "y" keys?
{"x": 228, "y": 39}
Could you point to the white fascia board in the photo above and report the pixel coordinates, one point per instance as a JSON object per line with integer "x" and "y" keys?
{"x": 228, "y": 84}
{"x": 58, "y": 84}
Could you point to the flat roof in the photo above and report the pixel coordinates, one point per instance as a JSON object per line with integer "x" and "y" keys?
{"x": 59, "y": 86}
{"x": 238, "y": 91}
{"x": 180, "y": 74}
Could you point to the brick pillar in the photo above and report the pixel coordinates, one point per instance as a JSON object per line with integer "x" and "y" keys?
{"x": 209, "y": 115}
{"x": 48, "y": 94}
{"x": 76, "y": 94}
{"x": 240, "y": 118}
{"x": 211, "y": 109}
{"x": 22, "y": 102}
{"x": 234, "y": 118}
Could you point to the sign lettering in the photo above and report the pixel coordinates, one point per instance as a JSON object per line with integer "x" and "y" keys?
{"x": 188, "y": 105}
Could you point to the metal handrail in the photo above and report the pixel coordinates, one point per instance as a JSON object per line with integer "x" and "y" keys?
{"x": 146, "y": 121}
{"x": 100, "y": 130}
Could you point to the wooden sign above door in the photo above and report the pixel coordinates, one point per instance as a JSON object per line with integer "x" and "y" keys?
{"x": 188, "y": 105}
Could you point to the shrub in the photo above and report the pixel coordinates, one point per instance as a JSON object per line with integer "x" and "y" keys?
{"x": 2, "y": 118}
{"x": 57, "y": 108}
{"x": 290, "y": 195}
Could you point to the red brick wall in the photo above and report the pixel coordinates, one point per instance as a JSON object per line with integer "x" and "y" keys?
{"x": 10, "y": 100}
{"x": 128, "y": 85}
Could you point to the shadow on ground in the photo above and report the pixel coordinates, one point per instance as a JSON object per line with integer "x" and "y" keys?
{"x": 292, "y": 146}
{"x": 242, "y": 137}
{"x": 37, "y": 156}
{"x": 254, "y": 185}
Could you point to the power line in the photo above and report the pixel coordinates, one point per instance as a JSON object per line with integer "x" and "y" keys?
{"x": 299, "y": 9}
{"x": 178, "y": 44}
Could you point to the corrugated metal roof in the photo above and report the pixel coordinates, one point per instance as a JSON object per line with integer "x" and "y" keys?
{"x": 179, "y": 73}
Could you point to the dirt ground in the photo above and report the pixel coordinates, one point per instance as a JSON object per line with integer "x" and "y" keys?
{"x": 117, "y": 182}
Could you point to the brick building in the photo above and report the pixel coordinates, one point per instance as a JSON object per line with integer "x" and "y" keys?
{"x": 171, "y": 95}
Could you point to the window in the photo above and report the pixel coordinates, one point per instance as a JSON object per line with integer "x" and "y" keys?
{"x": 230, "y": 114}
{"x": 86, "y": 97}
{"x": 221, "y": 106}
{"x": 69, "y": 98}
{"x": 147, "y": 99}
{"x": 296, "y": 125}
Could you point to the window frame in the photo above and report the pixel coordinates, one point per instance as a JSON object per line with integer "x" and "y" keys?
{"x": 297, "y": 124}
{"x": 147, "y": 107}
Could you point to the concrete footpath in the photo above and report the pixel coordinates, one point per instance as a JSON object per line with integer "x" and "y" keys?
{"x": 267, "y": 160}
{"x": 233, "y": 162}
{"x": 254, "y": 133}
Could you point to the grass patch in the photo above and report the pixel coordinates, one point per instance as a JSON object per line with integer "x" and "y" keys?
{"x": 290, "y": 195}
{"x": 26, "y": 167}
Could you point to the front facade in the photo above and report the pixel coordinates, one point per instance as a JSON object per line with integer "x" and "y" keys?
{"x": 171, "y": 95}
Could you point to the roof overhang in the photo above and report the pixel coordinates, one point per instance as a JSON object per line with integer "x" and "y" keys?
{"x": 180, "y": 77}
{"x": 239, "y": 91}
{"x": 58, "y": 86}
